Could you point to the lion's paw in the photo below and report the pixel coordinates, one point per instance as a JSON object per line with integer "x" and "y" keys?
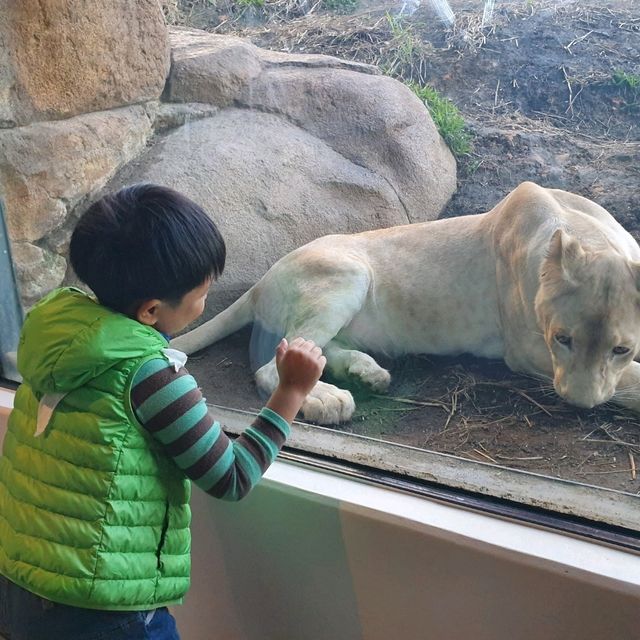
{"x": 327, "y": 404}
{"x": 369, "y": 371}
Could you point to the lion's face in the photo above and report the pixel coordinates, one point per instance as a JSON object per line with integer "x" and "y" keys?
{"x": 588, "y": 308}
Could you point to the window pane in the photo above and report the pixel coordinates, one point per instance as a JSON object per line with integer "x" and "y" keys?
{"x": 542, "y": 97}
{"x": 290, "y": 121}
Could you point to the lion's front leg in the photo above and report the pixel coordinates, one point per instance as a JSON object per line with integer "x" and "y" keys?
{"x": 328, "y": 404}
{"x": 345, "y": 363}
{"x": 325, "y": 403}
{"x": 628, "y": 390}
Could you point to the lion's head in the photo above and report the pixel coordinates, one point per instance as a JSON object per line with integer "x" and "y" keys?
{"x": 588, "y": 308}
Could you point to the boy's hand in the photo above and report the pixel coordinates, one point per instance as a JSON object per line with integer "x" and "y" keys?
{"x": 300, "y": 365}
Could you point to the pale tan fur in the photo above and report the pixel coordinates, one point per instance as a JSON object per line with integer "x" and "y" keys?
{"x": 547, "y": 280}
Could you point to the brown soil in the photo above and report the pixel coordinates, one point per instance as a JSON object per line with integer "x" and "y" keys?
{"x": 543, "y": 96}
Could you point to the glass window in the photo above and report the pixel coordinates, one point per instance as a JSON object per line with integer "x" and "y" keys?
{"x": 342, "y": 116}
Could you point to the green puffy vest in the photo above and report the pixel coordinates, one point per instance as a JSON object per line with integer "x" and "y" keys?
{"x": 92, "y": 512}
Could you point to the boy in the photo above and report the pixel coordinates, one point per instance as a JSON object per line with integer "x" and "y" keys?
{"x": 108, "y": 428}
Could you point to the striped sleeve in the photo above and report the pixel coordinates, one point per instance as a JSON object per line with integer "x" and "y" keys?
{"x": 170, "y": 406}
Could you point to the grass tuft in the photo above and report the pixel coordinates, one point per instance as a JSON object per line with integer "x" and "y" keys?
{"x": 626, "y": 80}
{"x": 447, "y": 119}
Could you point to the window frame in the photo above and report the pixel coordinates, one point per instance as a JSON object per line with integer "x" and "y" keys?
{"x": 11, "y": 313}
{"x": 578, "y": 509}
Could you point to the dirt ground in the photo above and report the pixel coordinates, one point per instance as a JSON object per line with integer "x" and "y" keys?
{"x": 547, "y": 92}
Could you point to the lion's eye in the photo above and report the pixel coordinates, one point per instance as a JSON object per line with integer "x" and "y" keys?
{"x": 563, "y": 339}
{"x": 620, "y": 350}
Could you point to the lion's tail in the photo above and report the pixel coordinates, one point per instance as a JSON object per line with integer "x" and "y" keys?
{"x": 233, "y": 318}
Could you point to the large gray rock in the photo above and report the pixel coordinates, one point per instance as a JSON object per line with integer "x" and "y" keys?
{"x": 372, "y": 120}
{"x": 60, "y": 59}
{"x": 270, "y": 186}
{"x": 218, "y": 68}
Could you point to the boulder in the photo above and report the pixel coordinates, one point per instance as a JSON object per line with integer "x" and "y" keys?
{"x": 218, "y": 68}
{"x": 62, "y": 58}
{"x": 38, "y": 271}
{"x": 270, "y": 185}
{"x": 373, "y": 120}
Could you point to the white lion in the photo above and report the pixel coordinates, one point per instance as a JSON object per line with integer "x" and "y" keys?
{"x": 546, "y": 280}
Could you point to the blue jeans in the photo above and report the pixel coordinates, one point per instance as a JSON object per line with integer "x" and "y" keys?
{"x": 25, "y": 616}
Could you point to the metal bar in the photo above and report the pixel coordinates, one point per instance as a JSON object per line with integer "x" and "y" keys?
{"x": 11, "y": 315}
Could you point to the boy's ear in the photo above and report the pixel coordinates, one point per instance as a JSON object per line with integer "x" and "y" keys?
{"x": 147, "y": 312}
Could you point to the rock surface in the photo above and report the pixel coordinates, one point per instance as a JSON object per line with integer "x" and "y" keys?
{"x": 279, "y": 148}
{"x": 46, "y": 170}
{"x": 38, "y": 271}
{"x": 60, "y": 59}
{"x": 372, "y": 120}
{"x": 48, "y": 167}
{"x": 269, "y": 185}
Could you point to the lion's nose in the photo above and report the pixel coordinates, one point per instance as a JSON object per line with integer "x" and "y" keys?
{"x": 581, "y": 400}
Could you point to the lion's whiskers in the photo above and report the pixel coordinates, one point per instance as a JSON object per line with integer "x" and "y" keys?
{"x": 629, "y": 392}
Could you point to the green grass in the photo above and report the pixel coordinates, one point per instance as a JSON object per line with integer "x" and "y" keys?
{"x": 377, "y": 415}
{"x": 628, "y": 85}
{"x": 403, "y": 46}
{"x": 447, "y": 119}
{"x": 626, "y": 80}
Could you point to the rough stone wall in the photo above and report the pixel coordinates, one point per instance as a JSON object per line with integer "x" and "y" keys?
{"x": 295, "y": 146}
{"x": 66, "y": 57}
{"x": 79, "y": 83}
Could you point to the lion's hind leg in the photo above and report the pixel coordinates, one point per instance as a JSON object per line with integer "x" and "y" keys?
{"x": 316, "y": 308}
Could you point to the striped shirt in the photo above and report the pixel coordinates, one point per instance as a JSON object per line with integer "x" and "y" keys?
{"x": 169, "y": 404}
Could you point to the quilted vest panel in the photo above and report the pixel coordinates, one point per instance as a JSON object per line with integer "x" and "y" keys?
{"x": 92, "y": 512}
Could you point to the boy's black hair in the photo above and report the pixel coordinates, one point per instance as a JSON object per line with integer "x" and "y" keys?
{"x": 143, "y": 242}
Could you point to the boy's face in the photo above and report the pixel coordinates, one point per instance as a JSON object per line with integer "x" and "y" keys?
{"x": 169, "y": 319}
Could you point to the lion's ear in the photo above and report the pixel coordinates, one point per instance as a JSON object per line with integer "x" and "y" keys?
{"x": 565, "y": 257}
